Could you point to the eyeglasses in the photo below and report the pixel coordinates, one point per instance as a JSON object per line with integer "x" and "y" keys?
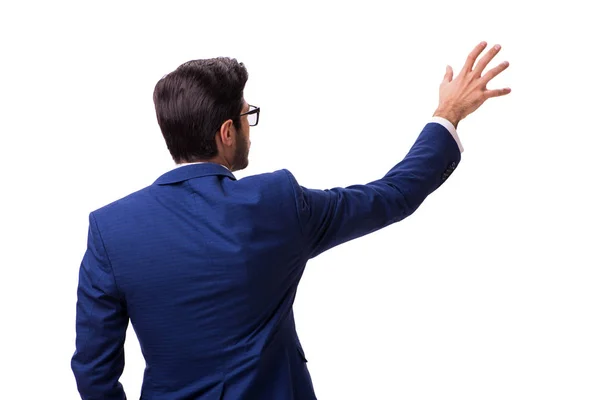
{"x": 252, "y": 113}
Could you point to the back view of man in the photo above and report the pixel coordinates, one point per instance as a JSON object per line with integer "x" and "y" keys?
{"x": 206, "y": 266}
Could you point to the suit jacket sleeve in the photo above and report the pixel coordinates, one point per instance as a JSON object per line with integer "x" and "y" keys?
{"x": 331, "y": 217}
{"x": 101, "y": 324}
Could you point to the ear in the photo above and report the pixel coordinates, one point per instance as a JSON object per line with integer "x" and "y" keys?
{"x": 227, "y": 133}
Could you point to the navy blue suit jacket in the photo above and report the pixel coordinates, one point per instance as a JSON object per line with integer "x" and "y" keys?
{"x": 206, "y": 268}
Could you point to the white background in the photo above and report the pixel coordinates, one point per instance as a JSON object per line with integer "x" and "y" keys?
{"x": 489, "y": 291}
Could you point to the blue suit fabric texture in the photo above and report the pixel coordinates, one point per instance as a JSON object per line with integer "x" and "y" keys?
{"x": 206, "y": 268}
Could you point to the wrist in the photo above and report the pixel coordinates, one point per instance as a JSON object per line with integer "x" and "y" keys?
{"x": 449, "y": 114}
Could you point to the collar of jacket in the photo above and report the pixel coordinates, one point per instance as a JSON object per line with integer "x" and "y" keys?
{"x": 191, "y": 171}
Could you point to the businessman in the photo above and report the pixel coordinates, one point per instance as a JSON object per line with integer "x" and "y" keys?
{"x": 206, "y": 266}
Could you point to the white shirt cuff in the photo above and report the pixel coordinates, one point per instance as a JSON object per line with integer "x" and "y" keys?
{"x": 448, "y": 125}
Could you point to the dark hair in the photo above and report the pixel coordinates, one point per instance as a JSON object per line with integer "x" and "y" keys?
{"x": 193, "y": 101}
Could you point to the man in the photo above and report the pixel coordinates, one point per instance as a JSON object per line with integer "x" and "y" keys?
{"x": 206, "y": 266}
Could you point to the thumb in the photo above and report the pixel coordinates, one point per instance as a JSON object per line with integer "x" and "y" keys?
{"x": 449, "y": 74}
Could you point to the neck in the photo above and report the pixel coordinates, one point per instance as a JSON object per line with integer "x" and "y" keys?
{"x": 216, "y": 160}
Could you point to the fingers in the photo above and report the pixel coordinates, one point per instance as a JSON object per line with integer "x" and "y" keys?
{"x": 473, "y": 56}
{"x": 485, "y": 60}
{"x": 496, "y": 93}
{"x": 492, "y": 73}
{"x": 449, "y": 74}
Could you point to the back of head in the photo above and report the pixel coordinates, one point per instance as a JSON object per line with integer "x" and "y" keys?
{"x": 194, "y": 100}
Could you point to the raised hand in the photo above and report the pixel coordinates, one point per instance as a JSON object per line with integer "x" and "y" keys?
{"x": 464, "y": 94}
